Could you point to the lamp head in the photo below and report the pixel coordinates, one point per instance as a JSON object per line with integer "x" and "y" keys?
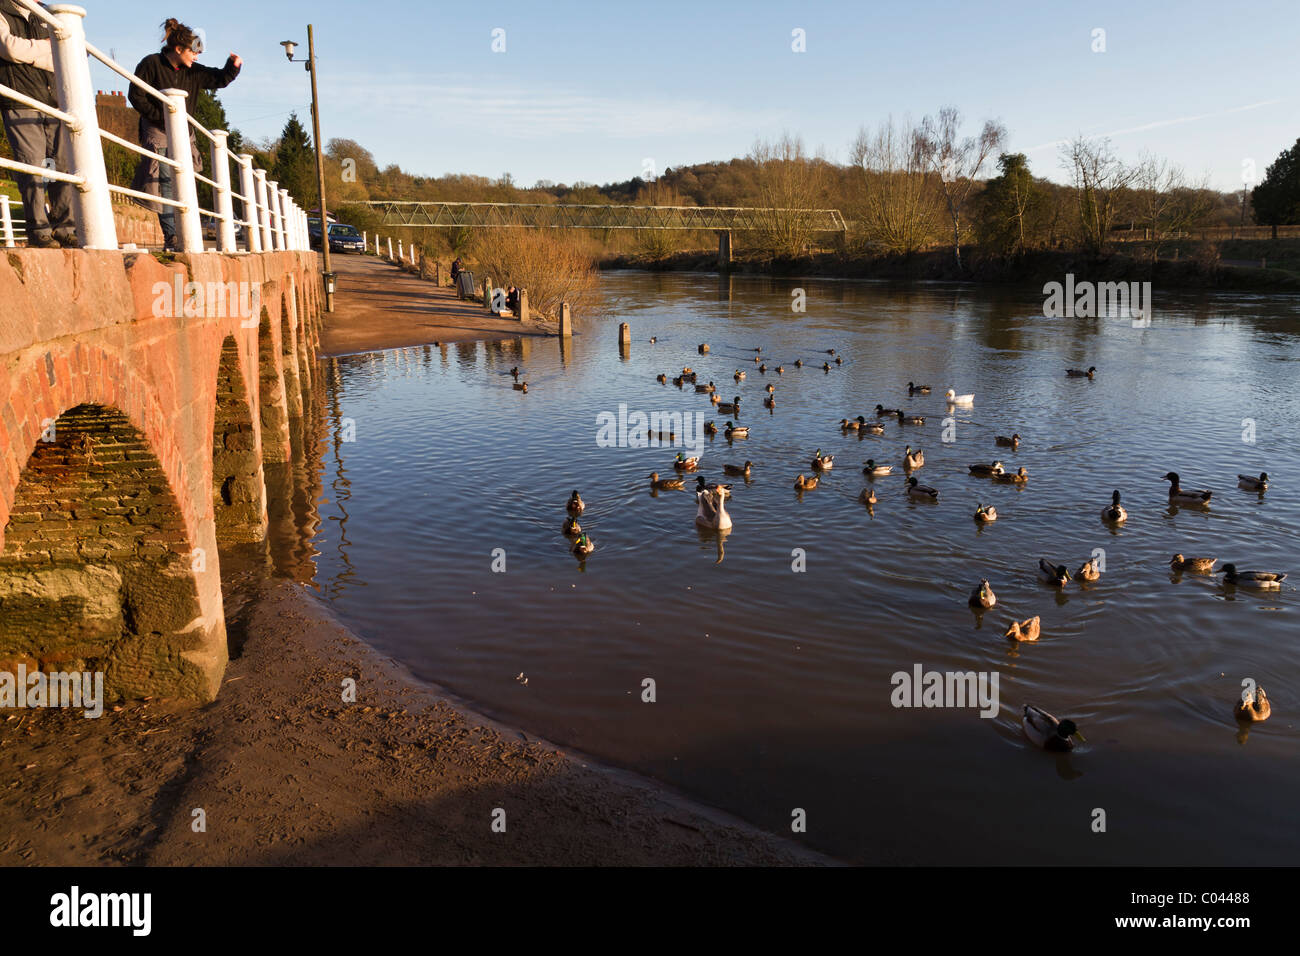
{"x": 289, "y": 47}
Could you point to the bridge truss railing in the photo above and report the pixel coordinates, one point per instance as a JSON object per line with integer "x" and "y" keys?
{"x": 271, "y": 219}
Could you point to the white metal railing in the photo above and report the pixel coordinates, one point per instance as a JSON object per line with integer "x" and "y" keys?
{"x": 270, "y": 218}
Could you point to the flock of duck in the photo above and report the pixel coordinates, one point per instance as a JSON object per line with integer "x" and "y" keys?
{"x": 1040, "y": 727}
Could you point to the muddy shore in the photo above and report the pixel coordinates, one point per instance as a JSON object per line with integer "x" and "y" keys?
{"x": 287, "y": 773}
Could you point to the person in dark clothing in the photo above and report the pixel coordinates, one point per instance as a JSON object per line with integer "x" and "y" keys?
{"x": 455, "y": 269}
{"x": 172, "y": 68}
{"x": 26, "y": 66}
{"x": 512, "y": 300}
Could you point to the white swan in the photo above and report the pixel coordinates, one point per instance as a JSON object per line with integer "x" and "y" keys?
{"x": 955, "y": 399}
{"x": 711, "y": 509}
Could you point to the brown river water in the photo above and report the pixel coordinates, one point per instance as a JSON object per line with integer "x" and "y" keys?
{"x": 772, "y": 648}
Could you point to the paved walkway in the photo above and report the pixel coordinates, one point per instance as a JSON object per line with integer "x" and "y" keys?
{"x": 377, "y": 305}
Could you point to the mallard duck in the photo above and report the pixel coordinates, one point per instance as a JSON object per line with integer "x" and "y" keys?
{"x": 664, "y": 436}
{"x": 1253, "y": 707}
{"x": 736, "y": 431}
{"x": 687, "y": 370}
{"x": 714, "y": 398}
{"x": 838, "y": 360}
{"x": 665, "y": 483}
{"x": 1253, "y": 484}
{"x": 678, "y": 380}
{"x": 689, "y": 377}
{"x": 661, "y": 378}
{"x": 682, "y": 463}
{"x": 1018, "y": 477}
{"x": 575, "y": 505}
{"x": 921, "y": 492}
{"x": 830, "y": 351}
{"x": 758, "y": 359}
{"x": 780, "y": 370}
{"x": 1197, "y": 565}
{"x": 515, "y": 371}
{"x": 521, "y": 387}
{"x": 1029, "y": 630}
{"x": 583, "y": 546}
{"x": 1055, "y": 574}
{"x": 871, "y": 468}
{"x": 702, "y": 485}
{"x": 770, "y": 388}
{"x": 1114, "y": 513}
{"x": 1178, "y": 495}
{"x": 904, "y": 419}
{"x": 822, "y": 462}
{"x": 914, "y": 389}
{"x": 742, "y": 470}
{"x": 868, "y": 496}
{"x": 913, "y": 460}
{"x": 871, "y": 428}
{"x": 803, "y": 484}
{"x": 826, "y": 366}
{"x": 983, "y": 596}
{"x": 705, "y": 388}
{"x": 986, "y": 513}
{"x": 769, "y": 402}
{"x": 798, "y": 363}
{"x": 882, "y": 411}
{"x": 571, "y": 527}
{"x": 654, "y": 339}
{"x": 704, "y": 348}
{"x": 849, "y": 425}
{"x": 1048, "y": 732}
{"x": 739, "y": 375}
{"x": 762, "y": 369}
{"x": 986, "y": 471}
{"x": 1264, "y": 580}
{"x": 731, "y": 407}
{"x": 955, "y": 399}
{"x": 1080, "y": 373}
{"x": 1005, "y": 442}
{"x": 710, "y": 428}
{"x": 1089, "y": 571}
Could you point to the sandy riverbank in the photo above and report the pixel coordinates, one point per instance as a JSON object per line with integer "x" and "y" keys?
{"x": 287, "y": 773}
{"x": 380, "y": 305}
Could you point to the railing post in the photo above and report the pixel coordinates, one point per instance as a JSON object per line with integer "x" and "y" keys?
{"x": 400, "y": 253}
{"x": 6, "y": 223}
{"x": 178, "y": 149}
{"x": 273, "y": 203}
{"x": 247, "y": 185}
{"x": 221, "y": 176}
{"x": 93, "y": 208}
{"x": 263, "y": 210}
{"x": 284, "y": 219}
{"x": 390, "y": 248}
{"x": 365, "y": 239}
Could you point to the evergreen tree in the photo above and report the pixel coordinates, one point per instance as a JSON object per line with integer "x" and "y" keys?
{"x": 295, "y": 164}
{"x": 1277, "y": 198}
{"x": 1000, "y": 215}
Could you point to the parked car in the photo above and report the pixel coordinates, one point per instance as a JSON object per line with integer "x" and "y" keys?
{"x": 345, "y": 238}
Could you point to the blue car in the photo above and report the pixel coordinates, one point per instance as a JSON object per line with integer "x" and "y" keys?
{"x": 345, "y": 238}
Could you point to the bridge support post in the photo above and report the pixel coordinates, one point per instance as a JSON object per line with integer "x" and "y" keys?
{"x": 566, "y": 321}
{"x": 178, "y": 148}
{"x": 724, "y": 249}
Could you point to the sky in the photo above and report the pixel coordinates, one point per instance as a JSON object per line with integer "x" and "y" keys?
{"x": 601, "y": 92}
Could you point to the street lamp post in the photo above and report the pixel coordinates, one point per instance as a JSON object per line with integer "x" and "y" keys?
{"x": 289, "y": 46}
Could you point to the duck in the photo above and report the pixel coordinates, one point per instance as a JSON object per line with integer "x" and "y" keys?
{"x": 1005, "y": 442}
{"x": 986, "y": 471}
{"x": 664, "y": 436}
{"x": 758, "y": 359}
{"x": 571, "y": 527}
{"x": 1177, "y": 494}
{"x": 986, "y": 513}
{"x": 1018, "y": 477}
{"x": 871, "y": 428}
{"x": 1264, "y": 580}
{"x": 583, "y": 546}
{"x": 739, "y": 375}
{"x": 849, "y": 424}
{"x": 770, "y": 388}
{"x": 914, "y": 389}
{"x": 1253, "y": 707}
{"x": 665, "y": 483}
{"x": 654, "y": 339}
{"x": 780, "y": 370}
{"x": 1080, "y": 373}
{"x": 1197, "y": 565}
{"x": 868, "y": 497}
{"x": 730, "y": 408}
{"x": 661, "y": 378}
{"x": 822, "y": 462}
{"x": 983, "y": 596}
{"x": 703, "y": 347}
{"x": 713, "y": 397}
{"x": 769, "y": 402}
{"x": 803, "y": 484}
{"x": 1048, "y": 732}
{"x": 736, "y": 431}
{"x": 955, "y": 399}
{"x": 682, "y": 463}
{"x": 702, "y": 485}
{"x": 742, "y": 470}
{"x": 798, "y": 363}
{"x": 1114, "y": 513}
{"x": 762, "y": 369}
{"x": 687, "y": 370}
{"x": 913, "y": 460}
{"x": 1253, "y": 484}
{"x": 882, "y": 411}
{"x": 838, "y": 360}
{"x": 678, "y": 380}
{"x": 1029, "y": 630}
{"x": 707, "y": 389}
{"x": 1053, "y": 573}
{"x": 711, "y": 506}
{"x": 1089, "y": 571}
{"x": 521, "y": 387}
{"x": 921, "y": 492}
{"x": 575, "y": 505}
{"x": 905, "y": 419}
{"x": 871, "y": 468}
{"x": 515, "y": 371}
{"x": 826, "y": 366}
{"x": 710, "y": 428}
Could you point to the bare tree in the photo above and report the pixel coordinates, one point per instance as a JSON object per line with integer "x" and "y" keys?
{"x": 898, "y": 206}
{"x": 1167, "y": 202}
{"x": 1101, "y": 182}
{"x": 958, "y": 161}
{"x": 790, "y": 184}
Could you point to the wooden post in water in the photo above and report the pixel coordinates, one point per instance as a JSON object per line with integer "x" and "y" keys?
{"x": 523, "y": 305}
{"x": 624, "y": 334}
{"x": 566, "y": 321}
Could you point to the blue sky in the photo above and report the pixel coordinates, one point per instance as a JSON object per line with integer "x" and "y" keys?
{"x": 588, "y": 91}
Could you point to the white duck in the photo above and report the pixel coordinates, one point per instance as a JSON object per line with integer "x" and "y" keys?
{"x": 955, "y": 399}
{"x": 711, "y": 508}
